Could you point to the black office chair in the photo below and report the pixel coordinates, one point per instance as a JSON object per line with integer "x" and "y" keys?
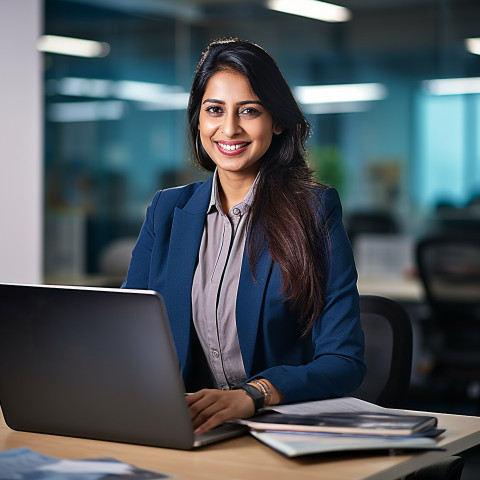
{"x": 449, "y": 267}
{"x": 450, "y": 468}
{"x": 388, "y": 352}
{"x": 388, "y": 356}
{"x": 370, "y": 221}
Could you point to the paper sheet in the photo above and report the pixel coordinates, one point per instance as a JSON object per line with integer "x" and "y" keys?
{"x": 334, "y": 405}
{"x": 295, "y": 444}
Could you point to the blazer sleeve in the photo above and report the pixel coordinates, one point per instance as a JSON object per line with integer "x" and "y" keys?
{"x": 139, "y": 269}
{"x": 337, "y": 366}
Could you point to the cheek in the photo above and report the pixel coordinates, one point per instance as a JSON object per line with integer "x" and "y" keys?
{"x": 207, "y": 125}
{"x": 263, "y": 132}
{"x": 266, "y": 137}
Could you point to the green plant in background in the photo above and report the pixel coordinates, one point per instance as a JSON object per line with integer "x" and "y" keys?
{"x": 327, "y": 164}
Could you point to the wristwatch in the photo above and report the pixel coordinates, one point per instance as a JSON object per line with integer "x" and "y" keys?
{"x": 257, "y": 396}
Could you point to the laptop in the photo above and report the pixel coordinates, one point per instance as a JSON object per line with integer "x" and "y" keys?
{"x": 96, "y": 363}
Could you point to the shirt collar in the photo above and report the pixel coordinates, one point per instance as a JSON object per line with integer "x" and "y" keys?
{"x": 245, "y": 204}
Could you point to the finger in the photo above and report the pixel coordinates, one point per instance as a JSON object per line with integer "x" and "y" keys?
{"x": 211, "y": 422}
{"x": 208, "y": 400}
{"x": 195, "y": 397}
{"x": 228, "y": 405}
{"x": 215, "y": 414}
{"x": 207, "y": 407}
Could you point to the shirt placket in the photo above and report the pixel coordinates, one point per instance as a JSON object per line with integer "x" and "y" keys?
{"x": 216, "y": 361}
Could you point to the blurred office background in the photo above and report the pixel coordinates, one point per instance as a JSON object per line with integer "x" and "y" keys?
{"x": 394, "y": 101}
{"x": 399, "y": 151}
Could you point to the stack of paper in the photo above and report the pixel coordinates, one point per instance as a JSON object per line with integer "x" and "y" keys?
{"x": 340, "y": 425}
{"x": 354, "y": 423}
{"x": 297, "y": 444}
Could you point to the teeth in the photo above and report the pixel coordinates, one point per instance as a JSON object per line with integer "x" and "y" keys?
{"x": 232, "y": 147}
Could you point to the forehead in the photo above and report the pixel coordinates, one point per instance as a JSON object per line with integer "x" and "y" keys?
{"x": 227, "y": 84}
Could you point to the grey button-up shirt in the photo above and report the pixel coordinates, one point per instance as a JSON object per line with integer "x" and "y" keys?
{"x": 215, "y": 285}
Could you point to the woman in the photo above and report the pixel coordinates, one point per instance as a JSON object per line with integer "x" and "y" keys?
{"x": 254, "y": 265}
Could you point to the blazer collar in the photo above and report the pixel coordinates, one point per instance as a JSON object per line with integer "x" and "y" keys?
{"x": 199, "y": 201}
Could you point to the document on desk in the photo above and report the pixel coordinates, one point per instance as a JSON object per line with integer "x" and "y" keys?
{"x": 295, "y": 444}
{"x": 332, "y": 405}
{"x": 350, "y": 423}
{"x": 298, "y": 444}
{"x": 23, "y": 463}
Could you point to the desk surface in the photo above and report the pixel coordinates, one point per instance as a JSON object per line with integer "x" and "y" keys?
{"x": 246, "y": 458}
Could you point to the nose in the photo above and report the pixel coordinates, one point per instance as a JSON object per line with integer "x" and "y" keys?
{"x": 231, "y": 124}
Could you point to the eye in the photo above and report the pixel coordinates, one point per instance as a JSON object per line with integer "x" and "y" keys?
{"x": 250, "y": 111}
{"x": 214, "y": 110}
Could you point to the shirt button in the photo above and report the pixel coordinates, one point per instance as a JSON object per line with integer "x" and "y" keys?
{"x": 215, "y": 353}
{"x": 236, "y": 211}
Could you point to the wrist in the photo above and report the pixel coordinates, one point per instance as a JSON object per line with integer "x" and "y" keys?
{"x": 275, "y": 395}
{"x": 254, "y": 393}
{"x": 263, "y": 386}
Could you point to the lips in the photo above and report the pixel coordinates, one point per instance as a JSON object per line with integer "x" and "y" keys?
{"x": 232, "y": 148}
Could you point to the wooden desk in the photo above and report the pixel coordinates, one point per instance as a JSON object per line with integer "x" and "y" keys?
{"x": 246, "y": 458}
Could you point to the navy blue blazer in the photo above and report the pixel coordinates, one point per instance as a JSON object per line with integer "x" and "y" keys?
{"x": 326, "y": 363}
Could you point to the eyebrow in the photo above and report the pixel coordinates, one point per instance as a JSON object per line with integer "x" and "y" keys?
{"x": 221, "y": 102}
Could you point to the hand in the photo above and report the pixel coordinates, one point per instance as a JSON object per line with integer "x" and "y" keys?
{"x": 209, "y": 408}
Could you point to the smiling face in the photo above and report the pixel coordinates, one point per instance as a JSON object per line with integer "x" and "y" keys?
{"x": 235, "y": 128}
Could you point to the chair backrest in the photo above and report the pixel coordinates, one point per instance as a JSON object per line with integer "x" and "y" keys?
{"x": 388, "y": 352}
{"x": 449, "y": 267}
{"x": 370, "y": 222}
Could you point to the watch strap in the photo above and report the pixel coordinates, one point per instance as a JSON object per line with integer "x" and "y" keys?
{"x": 257, "y": 396}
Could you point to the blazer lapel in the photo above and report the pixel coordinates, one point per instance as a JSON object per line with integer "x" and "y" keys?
{"x": 186, "y": 235}
{"x": 249, "y": 304}
{"x": 185, "y": 238}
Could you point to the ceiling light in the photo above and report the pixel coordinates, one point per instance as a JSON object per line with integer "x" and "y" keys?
{"x": 328, "y": 108}
{"x": 173, "y": 101}
{"x": 144, "y": 91}
{"x": 473, "y": 45}
{"x": 80, "y": 87}
{"x": 72, "y": 46}
{"x": 312, "y": 9}
{"x": 356, "y": 92}
{"x": 452, "y": 86}
{"x": 151, "y": 96}
{"x": 86, "y": 111}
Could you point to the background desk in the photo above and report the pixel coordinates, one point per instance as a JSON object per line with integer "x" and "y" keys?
{"x": 246, "y": 458}
{"x": 400, "y": 288}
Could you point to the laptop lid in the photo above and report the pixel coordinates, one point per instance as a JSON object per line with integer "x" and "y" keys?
{"x": 97, "y": 363}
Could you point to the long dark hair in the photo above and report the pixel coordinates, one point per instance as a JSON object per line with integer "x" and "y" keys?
{"x": 285, "y": 211}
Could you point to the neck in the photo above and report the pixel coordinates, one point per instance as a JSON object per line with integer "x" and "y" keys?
{"x": 233, "y": 189}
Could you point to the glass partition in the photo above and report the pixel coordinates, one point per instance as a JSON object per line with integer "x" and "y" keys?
{"x": 115, "y": 122}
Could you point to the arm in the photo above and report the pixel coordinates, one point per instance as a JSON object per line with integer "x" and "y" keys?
{"x": 337, "y": 365}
